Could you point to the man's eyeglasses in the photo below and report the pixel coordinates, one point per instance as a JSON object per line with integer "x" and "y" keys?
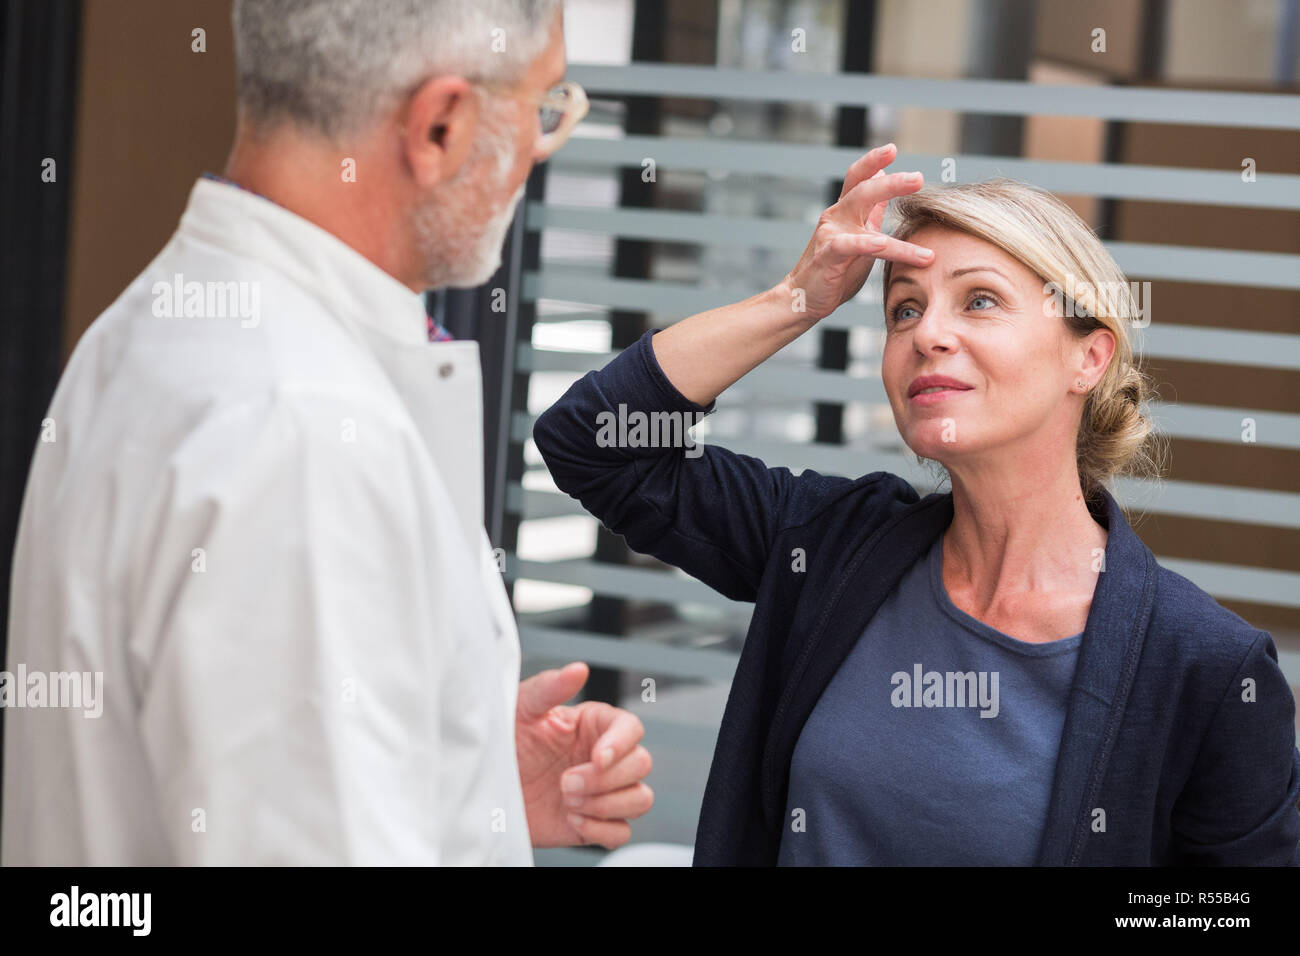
{"x": 559, "y": 110}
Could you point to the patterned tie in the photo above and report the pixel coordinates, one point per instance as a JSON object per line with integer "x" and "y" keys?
{"x": 437, "y": 333}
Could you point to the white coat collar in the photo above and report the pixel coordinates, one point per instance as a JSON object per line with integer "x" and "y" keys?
{"x": 350, "y": 285}
{"x": 387, "y": 318}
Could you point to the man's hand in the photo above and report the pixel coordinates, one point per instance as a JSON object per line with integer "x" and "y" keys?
{"x": 581, "y": 767}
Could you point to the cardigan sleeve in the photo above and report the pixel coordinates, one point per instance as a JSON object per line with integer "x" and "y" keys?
{"x": 1238, "y": 808}
{"x": 711, "y": 512}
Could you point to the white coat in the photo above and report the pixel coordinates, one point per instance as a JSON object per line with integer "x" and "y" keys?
{"x": 256, "y": 509}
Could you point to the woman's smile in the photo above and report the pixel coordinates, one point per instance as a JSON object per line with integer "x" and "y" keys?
{"x": 933, "y": 389}
{"x": 937, "y": 394}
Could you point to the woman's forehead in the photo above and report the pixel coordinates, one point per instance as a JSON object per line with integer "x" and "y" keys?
{"x": 957, "y": 251}
{"x": 954, "y": 241}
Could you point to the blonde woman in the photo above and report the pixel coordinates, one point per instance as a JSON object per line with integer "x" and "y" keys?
{"x": 998, "y": 675}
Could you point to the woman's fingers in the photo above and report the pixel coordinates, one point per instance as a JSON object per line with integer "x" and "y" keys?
{"x": 862, "y": 199}
{"x": 880, "y": 246}
{"x": 867, "y": 166}
{"x": 847, "y": 239}
{"x": 876, "y": 218}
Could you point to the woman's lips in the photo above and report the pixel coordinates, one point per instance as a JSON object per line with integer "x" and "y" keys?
{"x": 934, "y": 398}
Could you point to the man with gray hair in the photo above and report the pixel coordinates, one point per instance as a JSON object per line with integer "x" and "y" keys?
{"x": 260, "y": 517}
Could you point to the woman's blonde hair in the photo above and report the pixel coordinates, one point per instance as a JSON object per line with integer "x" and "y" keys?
{"x": 1116, "y": 436}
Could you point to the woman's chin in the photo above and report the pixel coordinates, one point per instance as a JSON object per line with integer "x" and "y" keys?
{"x": 936, "y": 448}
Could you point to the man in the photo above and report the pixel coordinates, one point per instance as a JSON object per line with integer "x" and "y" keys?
{"x": 256, "y": 508}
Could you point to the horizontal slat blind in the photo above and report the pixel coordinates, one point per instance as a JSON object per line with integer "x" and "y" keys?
{"x": 995, "y": 97}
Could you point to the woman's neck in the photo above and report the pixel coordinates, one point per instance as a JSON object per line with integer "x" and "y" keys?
{"x": 1014, "y": 532}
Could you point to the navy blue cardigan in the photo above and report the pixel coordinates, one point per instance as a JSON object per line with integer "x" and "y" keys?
{"x": 1166, "y": 756}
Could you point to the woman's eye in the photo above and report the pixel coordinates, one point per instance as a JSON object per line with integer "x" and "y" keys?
{"x": 901, "y": 313}
{"x": 983, "y": 298}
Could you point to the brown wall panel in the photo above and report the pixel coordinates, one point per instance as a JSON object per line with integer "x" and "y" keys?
{"x": 152, "y": 116}
{"x": 1207, "y": 226}
{"x": 1222, "y": 306}
{"x": 1222, "y": 542}
{"x": 1241, "y": 466}
{"x": 1064, "y": 32}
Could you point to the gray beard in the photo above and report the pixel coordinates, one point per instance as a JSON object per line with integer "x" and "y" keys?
{"x": 456, "y": 246}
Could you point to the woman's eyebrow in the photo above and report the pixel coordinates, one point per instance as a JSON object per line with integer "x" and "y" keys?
{"x": 955, "y": 273}
{"x": 961, "y": 272}
{"x": 897, "y": 278}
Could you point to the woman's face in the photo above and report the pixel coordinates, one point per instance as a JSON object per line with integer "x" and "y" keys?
{"x": 982, "y": 320}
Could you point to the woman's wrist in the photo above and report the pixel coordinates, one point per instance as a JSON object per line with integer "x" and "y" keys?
{"x": 789, "y": 303}
{"x": 705, "y": 354}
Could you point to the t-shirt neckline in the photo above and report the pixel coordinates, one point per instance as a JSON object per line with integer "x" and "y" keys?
{"x": 934, "y": 561}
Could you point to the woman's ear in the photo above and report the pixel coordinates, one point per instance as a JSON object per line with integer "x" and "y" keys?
{"x": 1099, "y": 347}
{"x": 441, "y": 120}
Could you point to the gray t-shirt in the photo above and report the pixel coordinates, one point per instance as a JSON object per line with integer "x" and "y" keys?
{"x": 934, "y": 744}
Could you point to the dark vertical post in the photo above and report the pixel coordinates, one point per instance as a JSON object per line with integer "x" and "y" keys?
{"x": 1288, "y": 44}
{"x": 1000, "y": 49}
{"x": 38, "y": 70}
{"x": 1150, "y": 65}
{"x": 505, "y": 464}
{"x": 632, "y": 260}
{"x": 851, "y": 129}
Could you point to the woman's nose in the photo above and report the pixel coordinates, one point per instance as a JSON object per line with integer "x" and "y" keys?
{"x": 933, "y": 329}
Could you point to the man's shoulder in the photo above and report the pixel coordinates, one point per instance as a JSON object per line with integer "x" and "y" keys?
{"x": 326, "y": 434}
{"x": 199, "y": 328}
{"x": 172, "y": 383}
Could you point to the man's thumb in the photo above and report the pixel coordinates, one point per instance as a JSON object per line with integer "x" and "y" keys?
{"x": 550, "y": 688}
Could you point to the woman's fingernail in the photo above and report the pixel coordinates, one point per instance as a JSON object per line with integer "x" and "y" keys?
{"x": 574, "y": 801}
{"x": 606, "y": 757}
{"x": 571, "y": 783}
{"x": 913, "y": 177}
{"x": 876, "y": 242}
{"x": 575, "y": 821}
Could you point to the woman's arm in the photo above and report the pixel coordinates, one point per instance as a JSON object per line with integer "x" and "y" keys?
{"x": 706, "y": 354}
{"x": 618, "y": 439}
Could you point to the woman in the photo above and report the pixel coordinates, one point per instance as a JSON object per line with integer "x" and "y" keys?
{"x": 998, "y": 675}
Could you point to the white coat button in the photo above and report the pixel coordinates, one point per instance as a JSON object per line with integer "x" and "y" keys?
{"x": 445, "y": 369}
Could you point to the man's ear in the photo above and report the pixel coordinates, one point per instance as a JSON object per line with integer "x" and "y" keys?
{"x": 441, "y": 122}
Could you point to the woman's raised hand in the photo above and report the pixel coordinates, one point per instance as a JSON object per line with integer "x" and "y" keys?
{"x": 848, "y": 241}
{"x": 704, "y": 354}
